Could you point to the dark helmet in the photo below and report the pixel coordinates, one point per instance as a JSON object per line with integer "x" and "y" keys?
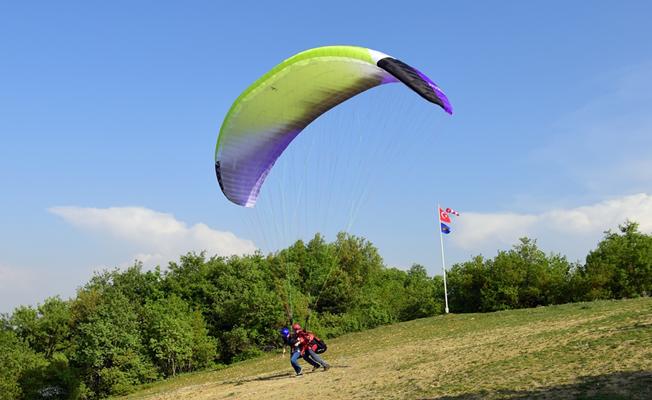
{"x": 284, "y": 331}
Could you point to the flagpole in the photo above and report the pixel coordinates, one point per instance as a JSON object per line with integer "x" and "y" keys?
{"x": 443, "y": 263}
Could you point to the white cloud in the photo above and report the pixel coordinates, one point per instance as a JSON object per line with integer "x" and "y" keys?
{"x": 159, "y": 237}
{"x": 29, "y": 285}
{"x": 20, "y": 285}
{"x": 573, "y": 231}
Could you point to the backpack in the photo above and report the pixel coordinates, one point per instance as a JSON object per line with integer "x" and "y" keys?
{"x": 321, "y": 345}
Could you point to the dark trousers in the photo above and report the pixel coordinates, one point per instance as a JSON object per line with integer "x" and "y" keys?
{"x": 294, "y": 360}
{"x": 315, "y": 358}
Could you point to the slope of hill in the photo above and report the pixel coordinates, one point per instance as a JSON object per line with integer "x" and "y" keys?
{"x": 598, "y": 350}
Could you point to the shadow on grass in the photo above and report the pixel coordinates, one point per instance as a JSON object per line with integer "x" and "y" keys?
{"x": 636, "y": 326}
{"x": 616, "y": 386}
{"x": 273, "y": 377}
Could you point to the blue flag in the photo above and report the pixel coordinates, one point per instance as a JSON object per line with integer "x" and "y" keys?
{"x": 445, "y": 228}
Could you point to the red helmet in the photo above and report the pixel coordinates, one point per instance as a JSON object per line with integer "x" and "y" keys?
{"x": 296, "y": 327}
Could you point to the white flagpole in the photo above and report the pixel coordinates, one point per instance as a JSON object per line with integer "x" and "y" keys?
{"x": 443, "y": 263}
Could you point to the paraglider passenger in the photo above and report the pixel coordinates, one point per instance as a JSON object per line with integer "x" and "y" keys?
{"x": 293, "y": 341}
{"x": 309, "y": 347}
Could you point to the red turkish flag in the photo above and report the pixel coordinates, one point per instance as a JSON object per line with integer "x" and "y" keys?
{"x": 443, "y": 216}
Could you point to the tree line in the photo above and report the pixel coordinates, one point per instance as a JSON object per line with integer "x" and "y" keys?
{"x": 128, "y": 327}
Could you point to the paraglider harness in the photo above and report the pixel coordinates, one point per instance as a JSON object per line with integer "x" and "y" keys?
{"x": 291, "y": 340}
{"x": 321, "y": 345}
{"x": 314, "y": 343}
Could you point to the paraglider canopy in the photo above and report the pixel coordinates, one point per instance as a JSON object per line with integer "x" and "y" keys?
{"x": 269, "y": 114}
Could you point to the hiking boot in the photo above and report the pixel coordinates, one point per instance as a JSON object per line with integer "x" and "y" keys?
{"x": 326, "y": 367}
{"x": 315, "y": 368}
{"x": 300, "y": 373}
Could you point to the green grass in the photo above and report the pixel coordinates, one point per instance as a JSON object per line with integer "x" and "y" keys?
{"x": 598, "y": 350}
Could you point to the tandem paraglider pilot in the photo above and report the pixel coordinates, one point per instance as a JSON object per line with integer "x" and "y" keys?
{"x": 306, "y": 345}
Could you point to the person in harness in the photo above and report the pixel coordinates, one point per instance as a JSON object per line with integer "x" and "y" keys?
{"x": 295, "y": 344}
{"x": 311, "y": 347}
{"x": 300, "y": 348}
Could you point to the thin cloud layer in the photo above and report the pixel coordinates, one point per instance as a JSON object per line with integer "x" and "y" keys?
{"x": 604, "y": 145}
{"x": 20, "y": 286}
{"x": 571, "y": 231}
{"x": 160, "y": 237}
{"x": 15, "y": 279}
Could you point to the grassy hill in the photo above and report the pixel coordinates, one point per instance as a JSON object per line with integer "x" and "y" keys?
{"x": 598, "y": 350}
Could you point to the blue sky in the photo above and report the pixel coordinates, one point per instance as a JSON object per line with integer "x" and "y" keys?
{"x": 109, "y": 114}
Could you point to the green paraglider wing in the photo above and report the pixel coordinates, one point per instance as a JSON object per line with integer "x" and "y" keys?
{"x": 269, "y": 114}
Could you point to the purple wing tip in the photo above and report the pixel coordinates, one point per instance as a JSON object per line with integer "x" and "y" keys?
{"x": 446, "y": 104}
{"x": 405, "y": 73}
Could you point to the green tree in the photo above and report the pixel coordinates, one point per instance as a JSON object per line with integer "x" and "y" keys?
{"x": 176, "y": 337}
{"x": 17, "y": 360}
{"x": 107, "y": 342}
{"x": 136, "y": 285}
{"x": 521, "y": 277}
{"x": 193, "y": 279}
{"x": 420, "y": 295}
{"x": 45, "y": 328}
{"x": 168, "y": 335}
{"x": 465, "y": 283}
{"x": 621, "y": 265}
{"x": 204, "y": 347}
